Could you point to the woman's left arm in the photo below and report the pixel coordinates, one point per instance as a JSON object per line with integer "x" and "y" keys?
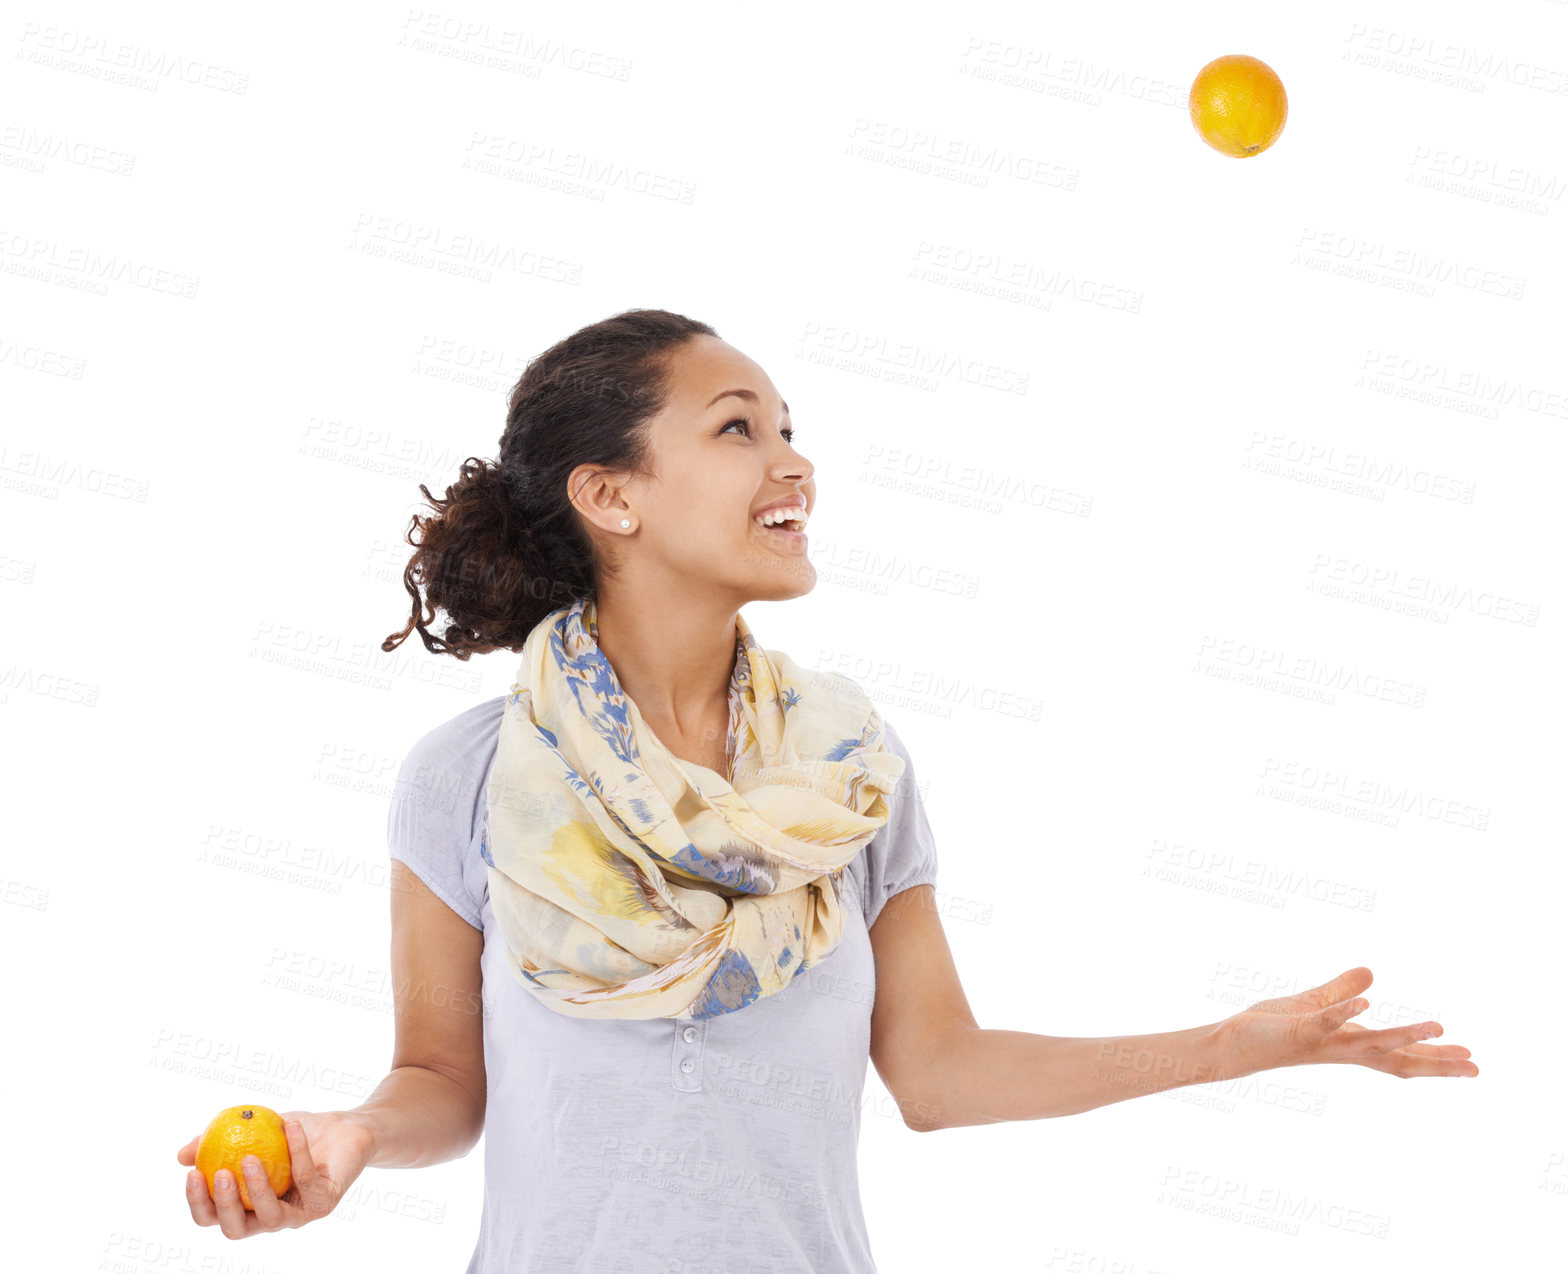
{"x": 945, "y": 1071}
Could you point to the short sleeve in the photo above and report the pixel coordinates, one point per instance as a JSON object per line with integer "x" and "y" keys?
{"x": 432, "y": 821}
{"x": 902, "y": 854}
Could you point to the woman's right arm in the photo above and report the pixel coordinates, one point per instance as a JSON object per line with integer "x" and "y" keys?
{"x": 431, "y": 1107}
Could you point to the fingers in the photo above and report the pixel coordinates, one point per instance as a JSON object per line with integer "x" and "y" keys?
{"x": 1349, "y": 983}
{"x": 301, "y": 1165}
{"x": 1327, "y": 1021}
{"x": 186, "y": 1154}
{"x": 1396, "y": 1037}
{"x": 196, "y": 1194}
{"x": 1355, "y": 1030}
{"x": 1444, "y": 1061}
{"x": 227, "y": 1210}
{"x": 1422, "y": 1067}
{"x": 1449, "y": 1052}
{"x": 263, "y": 1202}
{"x": 231, "y": 1212}
{"x": 1398, "y": 1051}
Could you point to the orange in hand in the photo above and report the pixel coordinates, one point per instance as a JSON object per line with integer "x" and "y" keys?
{"x": 240, "y": 1131}
{"x": 1237, "y": 105}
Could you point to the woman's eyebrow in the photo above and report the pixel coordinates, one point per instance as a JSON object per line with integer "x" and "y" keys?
{"x": 743, "y": 393}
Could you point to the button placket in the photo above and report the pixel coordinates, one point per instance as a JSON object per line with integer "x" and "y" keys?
{"x": 686, "y": 1056}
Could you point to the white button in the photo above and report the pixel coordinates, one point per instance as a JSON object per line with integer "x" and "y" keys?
{"x": 686, "y": 1064}
{"x": 689, "y": 1034}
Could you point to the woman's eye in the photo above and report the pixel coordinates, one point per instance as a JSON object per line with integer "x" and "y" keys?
{"x": 788, "y": 434}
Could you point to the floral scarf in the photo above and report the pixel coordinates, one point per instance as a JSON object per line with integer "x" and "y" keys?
{"x": 630, "y": 883}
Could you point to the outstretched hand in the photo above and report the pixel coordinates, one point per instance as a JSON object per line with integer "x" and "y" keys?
{"x": 327, "y": 1151}
{"x": 1315, "y": 1026}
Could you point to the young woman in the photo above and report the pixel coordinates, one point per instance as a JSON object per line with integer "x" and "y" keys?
{"x": 655, "y": 908}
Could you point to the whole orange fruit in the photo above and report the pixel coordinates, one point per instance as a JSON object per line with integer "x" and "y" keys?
{"x": 240, "y": 1131}
{"x": 1237, "y": 105}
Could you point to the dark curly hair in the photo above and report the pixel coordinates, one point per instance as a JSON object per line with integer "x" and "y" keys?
{"x": 505, "y": 547}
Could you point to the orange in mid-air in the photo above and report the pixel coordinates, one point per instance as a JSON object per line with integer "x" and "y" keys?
{"x": 1238, "y": 105}
{"x": 240, "y": 1131}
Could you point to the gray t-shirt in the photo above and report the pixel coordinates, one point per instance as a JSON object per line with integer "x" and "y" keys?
{"x": 660, "y": 1146}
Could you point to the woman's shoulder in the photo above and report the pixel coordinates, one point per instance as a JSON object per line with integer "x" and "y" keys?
{"x": 902, "y": 853}
{"x": 438, "y": 802}
{"x": 462, "y": 741}
{"x": 446, "y": 767}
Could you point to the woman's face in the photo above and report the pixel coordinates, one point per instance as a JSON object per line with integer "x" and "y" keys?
{"x": 719, "y": 458}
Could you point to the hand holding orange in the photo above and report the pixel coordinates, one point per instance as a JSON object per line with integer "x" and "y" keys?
{"x": 326, "y": 1152}
{"x": 239, "y": 1131}
{"x": 1238, "y": 105}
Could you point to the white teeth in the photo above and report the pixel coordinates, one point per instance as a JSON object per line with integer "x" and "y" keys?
{"x": 775, "y": 516}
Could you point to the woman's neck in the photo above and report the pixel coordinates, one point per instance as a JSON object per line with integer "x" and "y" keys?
{"x": 675, "y": 665}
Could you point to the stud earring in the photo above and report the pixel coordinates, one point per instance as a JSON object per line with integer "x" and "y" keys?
{"x": 626, "y": 521}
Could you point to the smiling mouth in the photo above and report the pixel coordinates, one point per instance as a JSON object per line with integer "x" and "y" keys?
{"x": 788, "y": 528}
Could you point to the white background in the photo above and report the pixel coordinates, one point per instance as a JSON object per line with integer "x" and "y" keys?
{"x": 1190, "y": 517}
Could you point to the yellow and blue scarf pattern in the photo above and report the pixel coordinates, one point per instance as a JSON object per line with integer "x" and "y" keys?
{"x": 629, "y": 883}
